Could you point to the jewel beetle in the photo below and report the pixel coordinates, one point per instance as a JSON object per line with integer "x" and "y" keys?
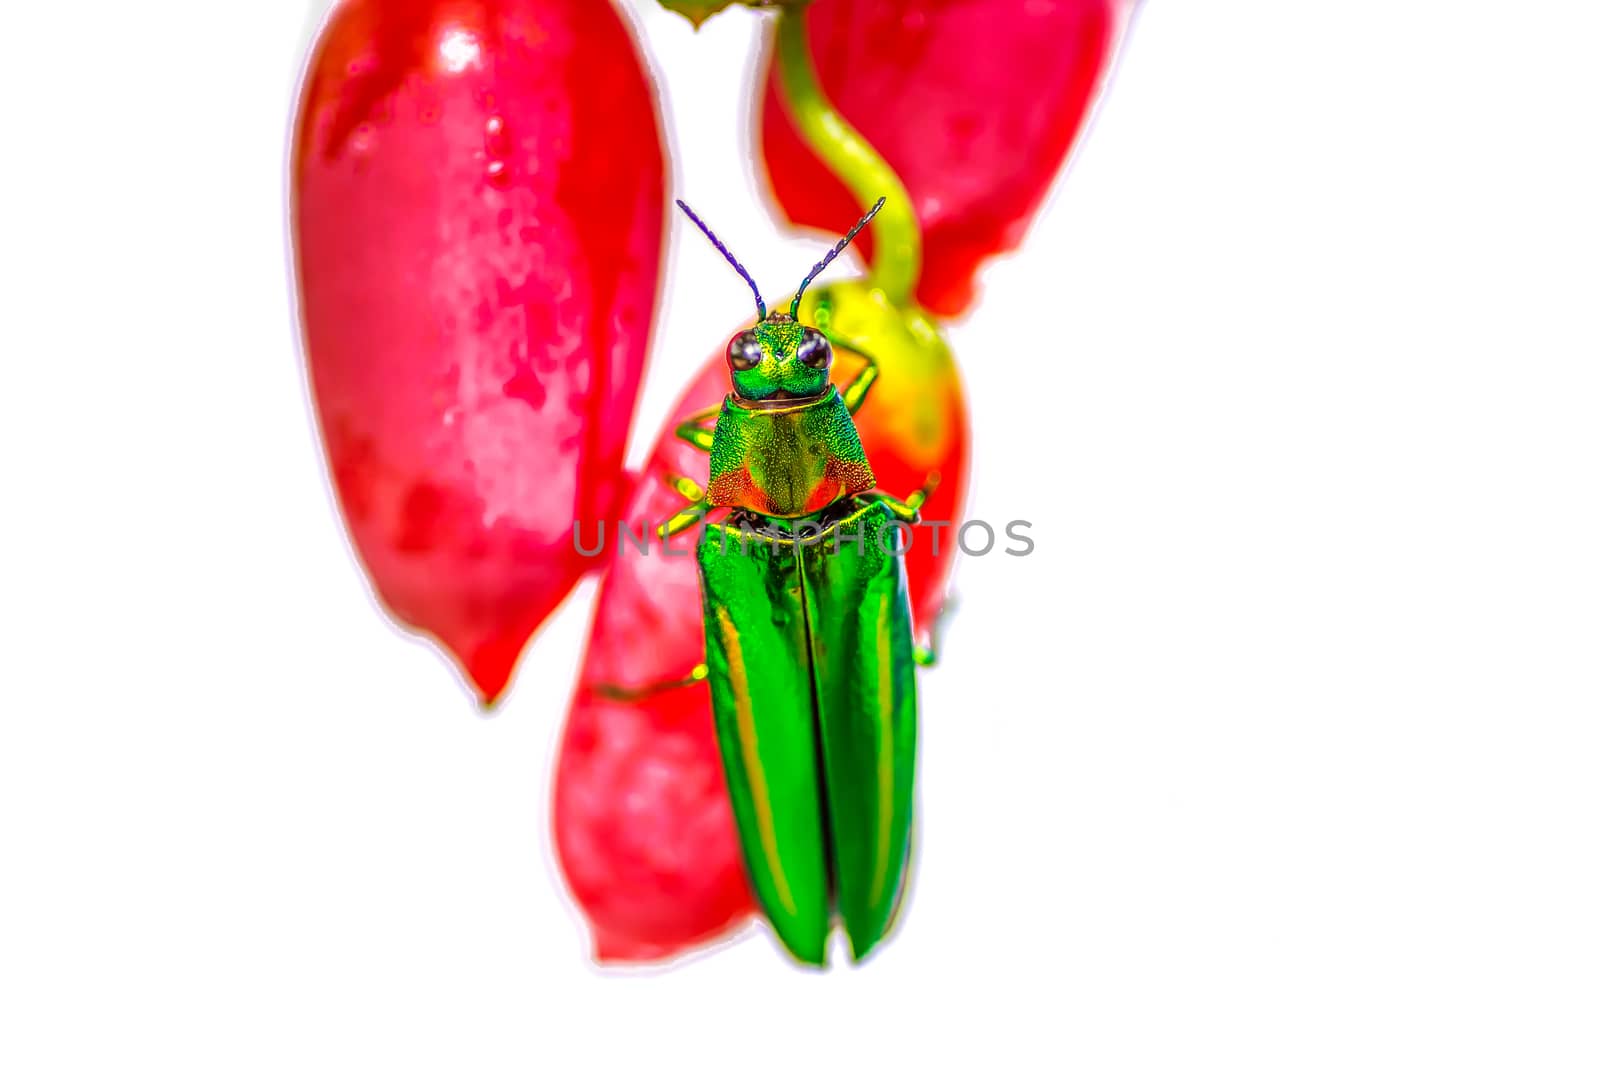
{"x": 810, "y": 655}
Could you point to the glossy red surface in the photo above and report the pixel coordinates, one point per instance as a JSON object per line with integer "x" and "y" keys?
{"x": 478, "y": 195}
{"x": 644, "y": 830}
{"x": 974, "y": 103}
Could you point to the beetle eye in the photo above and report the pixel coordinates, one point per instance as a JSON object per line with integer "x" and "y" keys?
{"x": 744, "y": 351}
{"x": 815, "y": 351}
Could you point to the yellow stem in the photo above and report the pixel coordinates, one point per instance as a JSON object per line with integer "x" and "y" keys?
{"x": 897, "y": 239}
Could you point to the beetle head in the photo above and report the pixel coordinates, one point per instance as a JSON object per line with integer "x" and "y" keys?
{"x": 778, "y": 358}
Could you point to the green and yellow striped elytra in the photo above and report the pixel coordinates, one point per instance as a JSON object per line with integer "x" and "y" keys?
{"x": 809, "y": 652}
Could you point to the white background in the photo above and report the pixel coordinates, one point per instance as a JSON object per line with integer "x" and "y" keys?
{"x": 1281, "y": 749}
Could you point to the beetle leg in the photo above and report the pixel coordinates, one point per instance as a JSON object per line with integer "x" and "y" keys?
{"x": 908, "y": 510}
{"x": 684, "y": 486}
{"x": 928, "y": 655}
{"x": 924, "y": 491}
{"x": 687, "y": 518}
{"x": 855, "y": 393}
{"x": 903, "y": 510}
{"x": 629, "y": 695}
{"x": 694, "y": 429}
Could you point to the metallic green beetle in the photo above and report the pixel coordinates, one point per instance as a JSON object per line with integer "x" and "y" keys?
{"x": 809, "y": 650}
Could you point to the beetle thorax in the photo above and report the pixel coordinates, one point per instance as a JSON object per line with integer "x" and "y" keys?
{"x": 787, "y": 460}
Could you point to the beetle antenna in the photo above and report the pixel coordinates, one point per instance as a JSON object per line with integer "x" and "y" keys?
{"x": 794, "y": 308}
{"x": 761, "y": 305}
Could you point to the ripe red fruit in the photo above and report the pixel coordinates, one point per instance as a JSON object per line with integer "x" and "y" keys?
{"x": 643, "y": 827}
{"x": 913, "y": 424}
{"x": 974, "y": 103}
{"x": 478, "y": 196}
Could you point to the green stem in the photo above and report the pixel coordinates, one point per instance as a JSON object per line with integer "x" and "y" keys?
{"x": 897, "y": 239}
